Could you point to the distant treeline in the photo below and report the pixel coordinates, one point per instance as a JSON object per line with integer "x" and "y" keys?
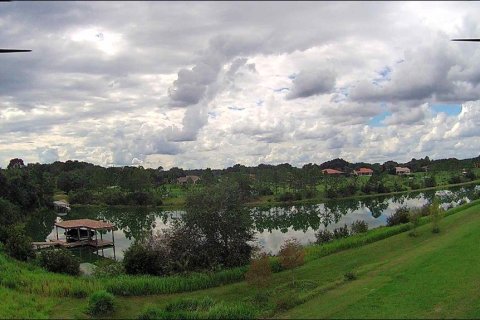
{"x": 33, "y": 185}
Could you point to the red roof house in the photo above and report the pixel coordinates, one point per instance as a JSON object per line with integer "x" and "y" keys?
{"x": 363, "y": 172}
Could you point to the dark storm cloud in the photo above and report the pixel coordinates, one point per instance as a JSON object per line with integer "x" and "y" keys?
{"x": 312, "y": 82}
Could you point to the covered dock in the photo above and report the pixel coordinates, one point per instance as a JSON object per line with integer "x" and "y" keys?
{"x": 80, "y": 233}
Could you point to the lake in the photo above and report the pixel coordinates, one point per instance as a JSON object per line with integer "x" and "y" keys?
{"x": 273, "y": 224}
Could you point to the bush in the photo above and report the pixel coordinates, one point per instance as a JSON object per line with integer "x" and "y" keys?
{"x": 140, "y": 198}
{"x": 358, "y": 226}
{"x": 414, "y": 218}
{"x": 292, "y": 255}
{"x": 60, "y": 261}
{"x": 101, "y": 303}
{"x": 286, "y": 301}
{"x": 81, "y": 196}
{"x": 323, "y": 236}
{"x": 260, "y": 273}
{"x": 141, "y": 259}
{"x": 398, "y": 217}
{"x": 18, "y": 245}
{"x": 349, "y": 276}
{"x": 289, "y": 196}
{"x": 341, "y": 232}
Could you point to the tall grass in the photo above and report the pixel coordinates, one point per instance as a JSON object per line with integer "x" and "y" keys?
{"x": 203, "y": 308}
{"x": 147, "y": 285}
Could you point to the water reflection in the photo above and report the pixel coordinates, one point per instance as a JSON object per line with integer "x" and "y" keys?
{"x": 273, "y": 224}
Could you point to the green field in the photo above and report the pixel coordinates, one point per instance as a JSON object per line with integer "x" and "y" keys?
{"x": 428, "y": 276}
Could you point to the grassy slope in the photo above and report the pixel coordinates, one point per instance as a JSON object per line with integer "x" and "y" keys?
{"x": 432, "y": 275}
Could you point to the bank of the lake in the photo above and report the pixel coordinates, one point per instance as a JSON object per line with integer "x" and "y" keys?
{"x": 178, "y": 203}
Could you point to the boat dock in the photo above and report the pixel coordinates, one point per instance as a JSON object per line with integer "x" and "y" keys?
{"x": 80, "y": 233}
{"x": 75, "y": 244}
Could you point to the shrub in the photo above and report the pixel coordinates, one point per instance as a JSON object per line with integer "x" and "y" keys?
{"x": 142, "y": 259}
{"x": 358, "y": 226}
{"x": 323, "y": 236}
{"x": 260, "y": 273}
{"x": 414, "y": 218}
{"x": 398, "y": 217}
{"x": 435, "y": 214}
{"x": 430, "y": 182}
{"x": 18, "y": 245}
{"x": 289, "y": 196}
{"x": 140, "y": 198}
{"x": 291, "y": 256}
{"x": 349, "y": 276}
{"x": 286, "y": 301}
{"x": 60, "y": 261}
{"x": 81, "y": 196}
{"x": 101, "y": 303}
{"x": 341, "y": 232}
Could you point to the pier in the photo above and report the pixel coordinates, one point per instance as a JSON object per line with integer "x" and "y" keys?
{"x": 80, "y": 233}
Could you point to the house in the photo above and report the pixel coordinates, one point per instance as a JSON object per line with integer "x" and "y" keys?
{"x": 402, "y": 171}
{"x": 187, "y": 179}
{"x": 363, "y": 172}
{"x": 331, "y": 171}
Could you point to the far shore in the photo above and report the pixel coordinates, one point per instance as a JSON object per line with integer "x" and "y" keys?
{"x": 268, "y": 201}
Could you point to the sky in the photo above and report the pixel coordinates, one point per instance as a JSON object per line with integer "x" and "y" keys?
{"x": 213, "y": 84}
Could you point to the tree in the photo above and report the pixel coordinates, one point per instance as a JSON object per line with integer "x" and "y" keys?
{"x": 16, "y": 164}
{"x": 223, "y": 223}
{"x": 19, "y": 245}
{"x": 292, "y": 255}
{"x": 9, "y": 215}
{"x": 259, "y": 273}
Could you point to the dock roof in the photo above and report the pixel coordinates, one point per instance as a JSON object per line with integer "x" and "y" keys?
{"x": 85, "y": 223}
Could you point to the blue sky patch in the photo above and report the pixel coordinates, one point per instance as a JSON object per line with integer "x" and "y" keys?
{"x": 281, "y": 89}
{"x": 378, "y": 119}
{"x": 449, "y": 109}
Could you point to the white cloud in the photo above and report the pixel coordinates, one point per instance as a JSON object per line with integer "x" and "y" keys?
{"x": 211, "y": 85}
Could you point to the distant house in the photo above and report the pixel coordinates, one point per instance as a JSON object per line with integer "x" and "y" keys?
{"x": 187, "y": 179}
{"x": 402, "y": 171}
{"x": 332, "y": 171}
{"x": 363, "y": 172}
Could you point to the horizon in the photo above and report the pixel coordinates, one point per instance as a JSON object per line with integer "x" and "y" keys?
{"x": 126, "y": 84}
{"x": 249, "y": 166}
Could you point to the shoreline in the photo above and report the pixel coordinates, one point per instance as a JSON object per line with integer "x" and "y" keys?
{"x": 266, "y": 203}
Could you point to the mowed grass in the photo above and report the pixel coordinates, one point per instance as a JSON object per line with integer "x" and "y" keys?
{"x": 431, "y": 276}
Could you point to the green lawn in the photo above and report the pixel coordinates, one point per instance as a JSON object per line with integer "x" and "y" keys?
{"x": 432, "y": 276}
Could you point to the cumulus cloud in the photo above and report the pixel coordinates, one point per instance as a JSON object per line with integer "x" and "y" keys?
{"x": 48, "y": 155}
{"x": 312, "y": 82}
{"x": 219, "y": 89}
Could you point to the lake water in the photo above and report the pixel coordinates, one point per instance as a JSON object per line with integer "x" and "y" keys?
{"x": 273, "y": 224}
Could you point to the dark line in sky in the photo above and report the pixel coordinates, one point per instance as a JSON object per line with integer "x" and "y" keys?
{"x": 13, "y": 50}
{"x": 471, "y": 40}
